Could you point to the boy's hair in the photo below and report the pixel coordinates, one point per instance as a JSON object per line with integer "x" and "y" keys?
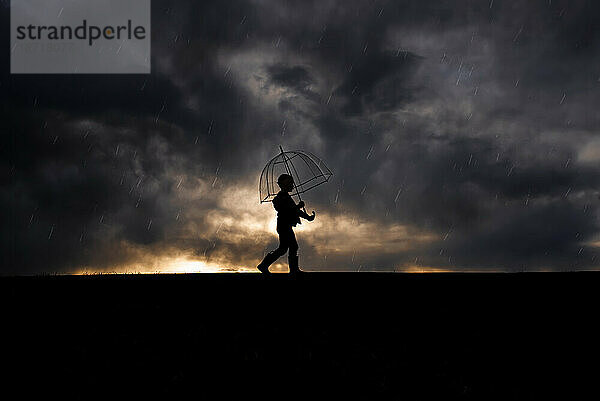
{"x": 284, "y": 178}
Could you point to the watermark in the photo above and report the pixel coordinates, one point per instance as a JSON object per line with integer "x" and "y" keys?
{"x": 80, "y": 37}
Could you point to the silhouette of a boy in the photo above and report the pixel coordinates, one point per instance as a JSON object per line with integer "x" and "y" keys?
{"x": 288, "y": 215}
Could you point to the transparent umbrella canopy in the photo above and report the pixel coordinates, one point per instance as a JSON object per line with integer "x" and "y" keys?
{"x": 307, "y": 170}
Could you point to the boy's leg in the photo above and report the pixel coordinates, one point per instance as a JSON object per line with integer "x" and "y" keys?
{"x": 293, "y": 254}
{"x": 275, "y": 254}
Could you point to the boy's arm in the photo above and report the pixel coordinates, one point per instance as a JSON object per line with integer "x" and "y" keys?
{"x": 306, "y": 216}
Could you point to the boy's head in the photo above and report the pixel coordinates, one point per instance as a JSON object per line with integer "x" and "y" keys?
{"x": 285, "y": 182}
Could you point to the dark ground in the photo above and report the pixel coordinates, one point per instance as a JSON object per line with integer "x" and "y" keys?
{"x": 336, "y": 335}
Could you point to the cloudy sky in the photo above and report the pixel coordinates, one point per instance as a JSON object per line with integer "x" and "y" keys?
{"x": 462, "y": 136}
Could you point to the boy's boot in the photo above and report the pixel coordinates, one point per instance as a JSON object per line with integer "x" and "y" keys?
{"x": 266, "y": 262}
{"x": 293, "y": 264}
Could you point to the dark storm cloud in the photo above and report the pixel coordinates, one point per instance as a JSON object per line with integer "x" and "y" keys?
{"x": 456, "y": 185}
{"x": 89, "y": 159}
{"x": 295, "y": 77}
{"x": 542, "y": 235}
{"x": 472, "y": 121}
{"x": 377, "y": 81}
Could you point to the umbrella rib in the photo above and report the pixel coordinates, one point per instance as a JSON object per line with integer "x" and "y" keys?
{"x": 283, "y": 154}
{"x": 300, "y": 183}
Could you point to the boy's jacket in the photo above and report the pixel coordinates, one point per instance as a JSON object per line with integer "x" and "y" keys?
{"x": 288, "y": 212}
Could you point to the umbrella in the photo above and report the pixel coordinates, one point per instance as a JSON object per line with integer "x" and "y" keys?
{"x": 307, "y": 170}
